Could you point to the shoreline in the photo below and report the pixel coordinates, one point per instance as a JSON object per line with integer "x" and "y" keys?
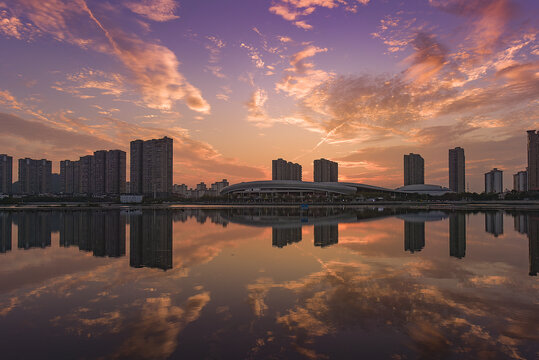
{"x": 448, "y": 205}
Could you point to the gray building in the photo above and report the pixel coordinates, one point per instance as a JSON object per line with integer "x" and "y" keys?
{"x": 457, "y": 235}
{"x": 326, "y": 171}
{"x": 100, "y": 174}
{"x": 533, "y": 160}
{"x": 457, "y": 170}
{"x": 285, "y": 170}
{"x": 6, "y": 173}
{"x": 520, "y": 181}
{"x": 494, "y": 181}
{"x": 414, "y": 169}
{"x": 151, "y": 167}
{"x": 34, "y": 176}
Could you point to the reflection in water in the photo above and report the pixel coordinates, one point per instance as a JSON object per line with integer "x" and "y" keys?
{"x": 494, "y": 223}
{"x": 5, "y": 232}
{"x": 34, "y": 229}
{"x": 457, "y": 235}
{"x": 414, "y": 236}
{"x": 230, "y": 296}
{"x": 285, "y": 236}
{"x": 326, "y": 235}
{"x": 101, "y": 232}
{"x": 533, "y": 239}
{"x": 151, "y": 239}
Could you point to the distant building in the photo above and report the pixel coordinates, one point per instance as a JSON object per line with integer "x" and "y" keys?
{"x": 326, "y": 171}
{"x": 151, "y": 167}
{"x": 414, "y": 169}
{"x": 100, "y": 174}
{"x": 34, "y": 176}
{"x": 180, "y": 189}
{"x": 533, "y": 160}
{"x": 326, "y": 235}
{"x": 219, "y": 185}
{"x": 284, "y": 170}
{"x": 494, "y": 181}
{"x": 520, "y": 181}
{"x": 457, "y": 170}
{"x": 202, "y": 186}
{"x": 6, "y": 174}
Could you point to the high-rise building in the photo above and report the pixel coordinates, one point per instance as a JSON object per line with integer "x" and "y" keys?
{"x": 285, "y": 170}
{"x": 283, "y": 236}
{"x": 414, "y": 169}
{"x": 34, "y": 229}
{"x": 219, "y": 185}
{"x": 5, "y": 231}
{"x": 34, "y": 176}
{"x": 520, "y": 181}
{"x": 326, "y": 171}
{"x": 151, "y": 167}
{"x": 326, "y": 235}
{"x": 494, "y": 181}
{"x": 533, "y": 160}
{"x": 533, "y": 239}
{"x": 151, "y": 239}
{"x": 100, "y": 174}
{"x": 457, "y": 170}
{"x": 115, "y": 168}
{"x": 6, "y": 174}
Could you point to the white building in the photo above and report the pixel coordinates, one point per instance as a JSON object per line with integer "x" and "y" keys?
{"x": 494, "y": 181}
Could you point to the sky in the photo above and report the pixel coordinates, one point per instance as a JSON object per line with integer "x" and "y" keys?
{"x": 238, "y": 83}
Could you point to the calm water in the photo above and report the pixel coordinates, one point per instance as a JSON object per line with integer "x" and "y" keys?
{"x": 268, "y": 283}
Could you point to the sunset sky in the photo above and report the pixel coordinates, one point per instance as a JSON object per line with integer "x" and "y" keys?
{"x": 237, "y": 83}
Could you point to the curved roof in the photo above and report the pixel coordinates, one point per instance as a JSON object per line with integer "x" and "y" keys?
{"x": 270, "y": 186}
{"x": 424, "y": 189}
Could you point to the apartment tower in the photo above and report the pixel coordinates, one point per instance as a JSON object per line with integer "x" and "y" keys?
{"x": 151, "y": 167}
{"x": 414, "y": 169}
{"x": 326, "y": 171}
{"x": 457, "y": 170}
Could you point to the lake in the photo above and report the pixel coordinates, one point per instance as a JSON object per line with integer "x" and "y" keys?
{"x": 269, "y": 283}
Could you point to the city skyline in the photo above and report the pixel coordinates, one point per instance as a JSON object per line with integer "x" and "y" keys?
{"x": 357, "y": 82}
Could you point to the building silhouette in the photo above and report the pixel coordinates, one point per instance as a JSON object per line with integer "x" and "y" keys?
{"x": 6, "y": 174}
{"x": 533, "y": 160}
{"x": 414, "y": 169}
{"x": 282, "y": 237}
{"x": 326, "y": 171}
{"x": 102, "y": 173}
{"x": 414, "y": 236}
{"x": 457, "y": 235}
{"x": 494, "y": 181}
{"x": 494, "y": 223}
{"x": 151, "y": 167}
{"x": 326, "y": 235}
{"x": 533, "y": 243}
{"x": 520, "y": 181}
{"x": 34, "y": 176}
{"x": 5, "y": 231}
{"x": 151, "y": 239}
{"x": 34, "y": 229}
{"x": 457, "y": 170}
{"x": 285, "y": 170}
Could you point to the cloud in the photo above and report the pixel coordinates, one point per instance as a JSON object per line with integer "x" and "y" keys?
{"x": 254, "y": 55}
{"x": 293, "y": 10}
{"x": 156, "y": 10}
{"x": 152, "y": 67}
{"x": 84, "y": 83}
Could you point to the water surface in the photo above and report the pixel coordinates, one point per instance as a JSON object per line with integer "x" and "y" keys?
{"x": 275, "y": 283}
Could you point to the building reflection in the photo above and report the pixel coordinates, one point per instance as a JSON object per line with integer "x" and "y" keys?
{"x": 521, "y": 223}
{"x": 533, "y": 243}
{"x": 414, "y": 236}
{"x": 494, "y": 223}
{"x": 151, "y": 239}
{"x": 96, "y": 231}
{"x": 34, "y": 229}
{"x": 326, "y": 235}
{"x": 282, "y": 237}
{"x": 457, "y": 235}
{"x": 5, "y": 232}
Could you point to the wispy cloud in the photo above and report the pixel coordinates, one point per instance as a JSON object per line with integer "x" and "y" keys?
{"x": 156, "y": 10}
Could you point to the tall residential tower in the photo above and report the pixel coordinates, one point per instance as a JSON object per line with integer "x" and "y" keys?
{"x": 6, "y": 174}
{"x": 151, "y": 167}
{"x": 414, "y": 169}
{"x": 326, "y": 171}
{"x": 533, "y": 160}
{"x": 457, "y": 170}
